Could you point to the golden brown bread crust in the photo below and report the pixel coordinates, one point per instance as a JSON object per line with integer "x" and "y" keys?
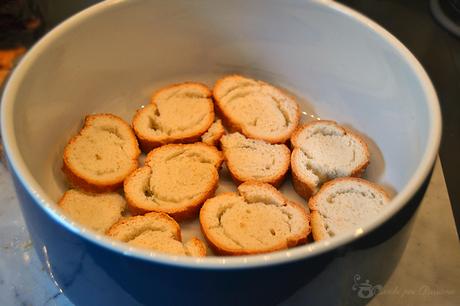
{"x": 233, "y": 126}
{"x": 301, "y": 127}
{"x": 112, "y": 231}
{"x": 312, "y": 202}
{"x": 226, "y": 121}
{"x": 215, "y": 139}
{"x": 167, "y": 147}
{"x": 86, "y": 185}
{"x": 220, "y": 249}
{"x": 167, "y": 87}
{"x": 301, "y": 238}
{"x": 238, "y": 252}
{"x": 78, "y": 180}
{"x": 305, "y": 188}
{"x": 317, "y": 226}
{"x": 147, "y": 144}
{"x": 199, "y": 246}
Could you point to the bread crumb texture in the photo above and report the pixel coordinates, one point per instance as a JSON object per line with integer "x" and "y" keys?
{"x": 214, "y": 133}
{"x": 256, "y": 220}
{"x": 177, "y": 113}
{"x": 255, "y": 160}
{"x": 344, "y": 204}
{"x": 95, "y": 211}
{"x": 323, "y": 150}
{"x": 176, "y": 179}
{"x": 156, "y": 232}
{"x": 102, "y": 154}
{"x": 256, "y": 109}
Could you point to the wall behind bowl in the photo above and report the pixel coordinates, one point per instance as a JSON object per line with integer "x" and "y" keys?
{"x": 56, "y": 11}
{"x": 112, "y": 61}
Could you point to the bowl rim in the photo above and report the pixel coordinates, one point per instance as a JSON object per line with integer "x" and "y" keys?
{"x": 17, "y": 164}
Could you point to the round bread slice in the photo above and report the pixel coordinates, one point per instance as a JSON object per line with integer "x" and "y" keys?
{"x": 255, "y": 160}
{"x": 176, "y": 180}
{"x": 344, "y": 204}
{"x": 157, "y": 232}
{"x": 323, "y": 150}
{"x": 259, "y": 219}
{"x": 177, "y": 114}
{"x": 256, "y": 109}
{"x": 213, "y": 135}
{"x": 97, "y": 211}
{"x": 100, "y": 157}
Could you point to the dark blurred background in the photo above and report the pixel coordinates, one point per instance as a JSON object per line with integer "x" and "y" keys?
{"x": 20, "y": 23}
{"x": 413, "y": 22}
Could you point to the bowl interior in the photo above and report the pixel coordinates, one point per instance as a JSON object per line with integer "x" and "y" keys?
{"x": 112, "y": 57}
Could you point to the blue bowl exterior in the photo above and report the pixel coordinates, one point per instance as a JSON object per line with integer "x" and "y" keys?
{"x": 90, "y": 274}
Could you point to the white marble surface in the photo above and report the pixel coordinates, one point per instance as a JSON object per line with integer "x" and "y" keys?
{"x": 427, "y": 274}
{"x": 23, "y": 279}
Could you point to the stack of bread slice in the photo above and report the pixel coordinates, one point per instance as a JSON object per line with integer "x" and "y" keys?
{"x": 180, "y": 134}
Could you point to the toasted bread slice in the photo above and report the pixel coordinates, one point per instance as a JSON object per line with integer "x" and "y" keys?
{"x": 259, "y": 219}
{"x": 213, "y": 135}
{"x": 255, "y": 160}
{"x": 157, "y": 232}
{"x": 97, "y": 211}
{"x": 256, "y": 109}
{"x": 100, "y": 157}
{"x": 344, "y": 204}
{"x": 323, "y": 150}
{"x": 178, "y": 113}
{"x": 176, "y": 179}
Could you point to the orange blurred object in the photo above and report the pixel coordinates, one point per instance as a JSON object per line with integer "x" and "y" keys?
{"x": 7, "y": 59}
{"x": 8, "y": 56}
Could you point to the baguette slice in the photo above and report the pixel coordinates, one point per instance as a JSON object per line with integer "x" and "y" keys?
{"x": 178, "y": 113}
{"x": 176, "y": 179}
{"x": 100, "y": 157}
{"x": 158, "y": 232}
{"x": 323, "y": 150}
{"x": 97, "y": 211}
{"x": 259, "y": 219}
{"x": 213, "y": 135}
{"x": 255, "y": 160}
{"x": 344, "y": 204}
{"x": 256, "y": 109}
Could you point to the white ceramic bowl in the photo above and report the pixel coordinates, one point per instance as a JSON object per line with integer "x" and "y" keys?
{"x": 109, "y": 58}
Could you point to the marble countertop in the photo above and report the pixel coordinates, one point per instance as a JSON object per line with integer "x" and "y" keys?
{"x": 428, "y": 272}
